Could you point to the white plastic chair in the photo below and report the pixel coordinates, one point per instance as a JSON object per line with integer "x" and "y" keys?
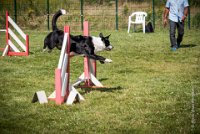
{"x": 139, "y": 19}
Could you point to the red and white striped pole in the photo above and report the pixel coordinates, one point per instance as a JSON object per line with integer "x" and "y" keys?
{"x": 67, "y": 30}
{"x": 7, "y": 33}
{"x": 87, "y": 67}
{"x": 59, "y": 75}
{"x": 27, "y": 45}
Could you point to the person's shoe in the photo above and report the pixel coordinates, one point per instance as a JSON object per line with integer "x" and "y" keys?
{"x": 178, "y": 45}
{"x": 173, "y": 48}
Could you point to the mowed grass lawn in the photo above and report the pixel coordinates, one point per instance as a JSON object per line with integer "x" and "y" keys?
{"x": 150, "y": 89}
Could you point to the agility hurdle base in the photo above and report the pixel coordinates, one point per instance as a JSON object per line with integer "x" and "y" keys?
{"x": 88, "y": 77}
{"x": 11, "y": 49}
{"x": 64, "y": 91}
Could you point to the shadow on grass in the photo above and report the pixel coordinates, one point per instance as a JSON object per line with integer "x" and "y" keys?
{"x": 31, "y": 52}
{"x": 188, "y": 46}
{"x": 103, "y": 79}
{"x": 109, "y": 89}
{"x": 103, "y": 89}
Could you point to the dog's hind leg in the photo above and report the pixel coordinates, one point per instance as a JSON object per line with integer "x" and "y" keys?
{"x": 45, "y": 47}
{"x": 46, "y": 42}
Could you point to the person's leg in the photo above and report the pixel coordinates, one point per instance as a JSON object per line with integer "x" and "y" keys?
{"x": 180, "y": 32}
{"x": 173, "y": 33}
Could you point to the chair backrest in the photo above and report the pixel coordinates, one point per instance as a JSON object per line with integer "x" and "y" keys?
{"x": 139, "y": 16}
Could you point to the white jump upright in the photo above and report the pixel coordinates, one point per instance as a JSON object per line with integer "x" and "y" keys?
{"x": 64, "y": 92}
{"x": 89, "y": 74}
{"x": 11, "y": 49}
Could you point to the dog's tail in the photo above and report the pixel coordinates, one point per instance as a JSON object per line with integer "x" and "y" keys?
{"x": 55, "y": 17}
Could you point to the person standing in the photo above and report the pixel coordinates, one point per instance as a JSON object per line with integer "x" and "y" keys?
{"x": 177, "y": 11}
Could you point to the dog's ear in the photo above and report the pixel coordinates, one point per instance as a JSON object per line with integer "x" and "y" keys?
{"x": 101, "y": 35}
{"x": 108, "y": 36}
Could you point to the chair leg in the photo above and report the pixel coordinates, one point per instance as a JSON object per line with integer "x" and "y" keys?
{"x": 129, "y": 27}
{"x": 143, "y": 25}
{"x": 134, "y": 28}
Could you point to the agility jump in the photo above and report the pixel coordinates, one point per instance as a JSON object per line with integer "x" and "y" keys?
{"x": 11, "y": 49}
{"x": 64, "y": 91}
{"x": 89, "y": 74}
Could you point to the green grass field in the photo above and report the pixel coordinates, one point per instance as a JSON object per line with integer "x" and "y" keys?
{"x": 150, "y": 88}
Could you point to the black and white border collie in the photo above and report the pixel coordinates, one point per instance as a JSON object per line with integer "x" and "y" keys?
{"x": 80, "y": 45}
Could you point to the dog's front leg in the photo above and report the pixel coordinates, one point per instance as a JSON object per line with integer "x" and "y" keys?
{"x": 100, "y": 58}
